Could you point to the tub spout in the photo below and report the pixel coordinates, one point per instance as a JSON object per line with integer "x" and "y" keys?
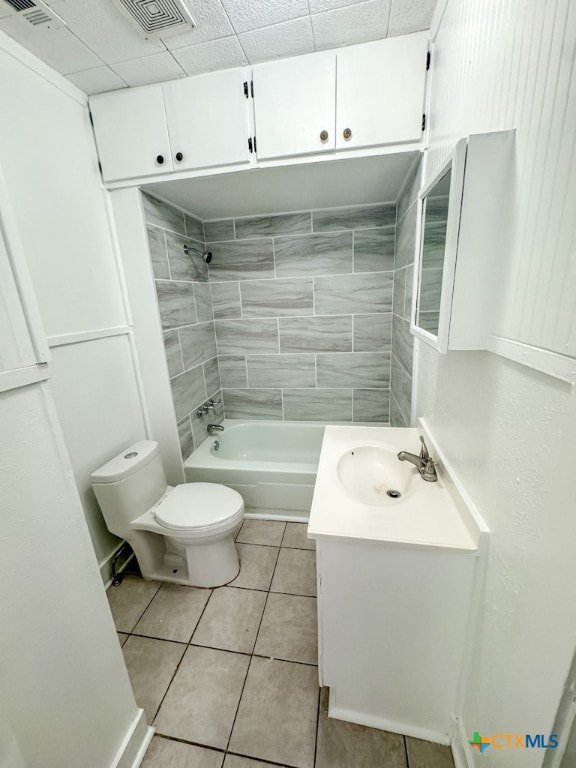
{"x": 211, "y": 428}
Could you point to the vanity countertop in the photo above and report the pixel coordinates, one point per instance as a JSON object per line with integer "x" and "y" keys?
{"x": 428, "y": 515}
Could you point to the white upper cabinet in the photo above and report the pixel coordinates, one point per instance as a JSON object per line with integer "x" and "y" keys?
{"x": 295, "y": 106}
{"x": 131, "y": 132}
{"x": 207, "y": 120}
{"x": 380, "y": 92}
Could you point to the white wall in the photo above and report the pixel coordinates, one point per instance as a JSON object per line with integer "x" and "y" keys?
{"x": 49, "y": 161}
{"x": 65, "y": 691}
{"x": 509, "y": 430}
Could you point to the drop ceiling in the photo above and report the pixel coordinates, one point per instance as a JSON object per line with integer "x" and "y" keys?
{"x": 100, "y": 50}
{"x": 352, "y": 181}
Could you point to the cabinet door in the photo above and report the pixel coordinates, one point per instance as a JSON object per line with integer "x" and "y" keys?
{"x": 131, "y": 132}
{"x": 381, "y": 92}
{"x": 207, "y": 120}
{"x": 295, "y": 102}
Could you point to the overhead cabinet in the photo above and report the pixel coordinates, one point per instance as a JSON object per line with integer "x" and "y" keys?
{"x": 363, "y": 96}
{"x": 193, "y": 123}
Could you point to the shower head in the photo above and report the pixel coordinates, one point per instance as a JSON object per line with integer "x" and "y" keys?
{"x": 206, "y": 255}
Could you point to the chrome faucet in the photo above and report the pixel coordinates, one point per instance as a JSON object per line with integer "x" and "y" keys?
{"x": 423, "y": 463}
{"x": 211, "y": 428}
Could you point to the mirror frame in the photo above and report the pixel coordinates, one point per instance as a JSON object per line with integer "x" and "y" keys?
{"x": 456, "y": 162}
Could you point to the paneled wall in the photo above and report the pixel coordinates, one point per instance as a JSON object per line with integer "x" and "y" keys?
{"x": 402, "y": 339}
{"x": 185, "y": 306}
{"x": 508, "y": 430}
{"x": 302, "y": 307}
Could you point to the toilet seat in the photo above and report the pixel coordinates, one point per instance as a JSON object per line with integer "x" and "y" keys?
{"x": 198, "y": 506}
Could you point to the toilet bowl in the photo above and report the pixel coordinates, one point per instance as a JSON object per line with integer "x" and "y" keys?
{"x": 183, "y": 534}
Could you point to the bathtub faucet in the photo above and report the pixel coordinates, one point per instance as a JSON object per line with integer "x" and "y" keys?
{"x": 211, "y": 428}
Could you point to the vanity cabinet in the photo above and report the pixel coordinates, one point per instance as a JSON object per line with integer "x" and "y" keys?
{"x": 362, "y": 96}
{"x": 194, "y": 123}
{"x": 131, "y": 132}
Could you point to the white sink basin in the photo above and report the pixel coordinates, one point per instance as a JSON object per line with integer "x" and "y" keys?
{"x": 373, "y": 475}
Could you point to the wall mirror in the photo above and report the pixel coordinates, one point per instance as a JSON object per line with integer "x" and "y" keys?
{"x": 436, "y": 246}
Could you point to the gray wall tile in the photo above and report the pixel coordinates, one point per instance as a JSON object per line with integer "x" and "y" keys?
{"x": 245, "y": 336}
{"x": 399, "y": 292}
{"x": 186, "y": 438}
{"x": 374, "y": 250}
{"x": 233, "y": 371}
{"x": 173, "y": 354}
{"x": 281, "y": 370}
{"x": 409, "y": 292}
{"x": 402, "y": 342}
{"x": 212, "y": 376}
{"x": 317, "y": 404}
{"x": 401, "y": 387}
{"x": 372, "y": 405}
{"x": 158, "y": 256}
{"x": 410, "y": 192}
{"x": 226, "y": 300}
{"x": 372, "y": 333}
{"x": 316, "y": 334}
{"x": 203, "y": 302}
{"x": 358, "y": 369}
{"x": 198, "y": 344}
{"x": 188, "y": 391}
{"x": 219, "y": 230}
{"x": 272, "y": 226}
{"x": 184, "y": 266}
{"x": 396, "y": 417}
{"x": 248, "y": 259}
{"x": 406, "y": 240}
{"x": 277, "y": 298}
{"x": 353, "y": 294}
{"x": 253, "y": 403}
{"x": 176, "y": 303}
{"x": 356, "y": 217}
{"x": 194, "y": 228}
{"x": 324, "y": 254}
{"x": 163, "y": 215}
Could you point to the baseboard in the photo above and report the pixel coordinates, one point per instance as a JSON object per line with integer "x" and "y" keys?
{"x": 383, "y": 724}
{"x": 135, "y": 743}
{"x": 460, "y": 752}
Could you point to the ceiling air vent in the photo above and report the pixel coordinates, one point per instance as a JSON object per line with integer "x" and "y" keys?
{"x": 36, "y": 13}
{"x": 158, "y": 18}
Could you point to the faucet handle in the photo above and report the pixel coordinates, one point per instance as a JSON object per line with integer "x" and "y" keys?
{"x": 424, "y": 449}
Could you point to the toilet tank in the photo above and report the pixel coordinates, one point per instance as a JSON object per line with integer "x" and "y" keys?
{"x": 129, "y": 484}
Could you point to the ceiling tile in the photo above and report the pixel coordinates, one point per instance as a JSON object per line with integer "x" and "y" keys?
{"x": 410, "y": 16}
{"x": 318, "y": 6}
{"x": 97, "y": 80}
{"x": 104, "y": 29}
{"x": 288, "y": 39}
{"x": 211, "y": 23}
{"x": 149, "y": 69}
{"x": 207, "y": 57}
{"x": 353, "y": 24}
{"x": 59, "y": 48}
{"x": 246, "y": 16}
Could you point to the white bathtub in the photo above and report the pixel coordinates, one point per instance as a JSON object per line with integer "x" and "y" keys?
{"x": 272, "y": 464}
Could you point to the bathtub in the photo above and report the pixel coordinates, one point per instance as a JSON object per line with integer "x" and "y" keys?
{"x": 272, "y": 464}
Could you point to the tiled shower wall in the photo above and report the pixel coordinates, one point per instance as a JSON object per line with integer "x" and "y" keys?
{"x": 185, "y": 307}
{"x": 293, "y": 318}
{"x": 402, "y": 340}
{"x": 302, "y": 308}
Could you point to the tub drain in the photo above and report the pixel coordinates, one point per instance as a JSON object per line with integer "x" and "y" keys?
{"x": 393, "y": 494}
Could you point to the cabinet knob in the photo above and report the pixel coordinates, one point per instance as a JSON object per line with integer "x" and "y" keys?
{"x": 179, "y": 156}
{"x": 347, "y": 133}
{"x": 160, "y": 159}
{"x": 324, "y": 136}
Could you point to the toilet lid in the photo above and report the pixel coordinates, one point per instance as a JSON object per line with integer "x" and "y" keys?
{"x": 198, "y": 505}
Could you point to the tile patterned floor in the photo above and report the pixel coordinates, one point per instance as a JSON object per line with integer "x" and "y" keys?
{"x": 228, "y": 676}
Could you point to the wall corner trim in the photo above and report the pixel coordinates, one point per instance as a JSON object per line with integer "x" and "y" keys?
{"x": 135, "y": 743}
{"x": 544, "y": 360}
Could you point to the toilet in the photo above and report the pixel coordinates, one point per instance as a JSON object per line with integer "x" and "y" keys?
{"x": 183, "y": 534}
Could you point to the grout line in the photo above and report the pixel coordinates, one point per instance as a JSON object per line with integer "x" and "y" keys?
{"x": 406, "y": 752}
{"x": 317, "y": 724}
